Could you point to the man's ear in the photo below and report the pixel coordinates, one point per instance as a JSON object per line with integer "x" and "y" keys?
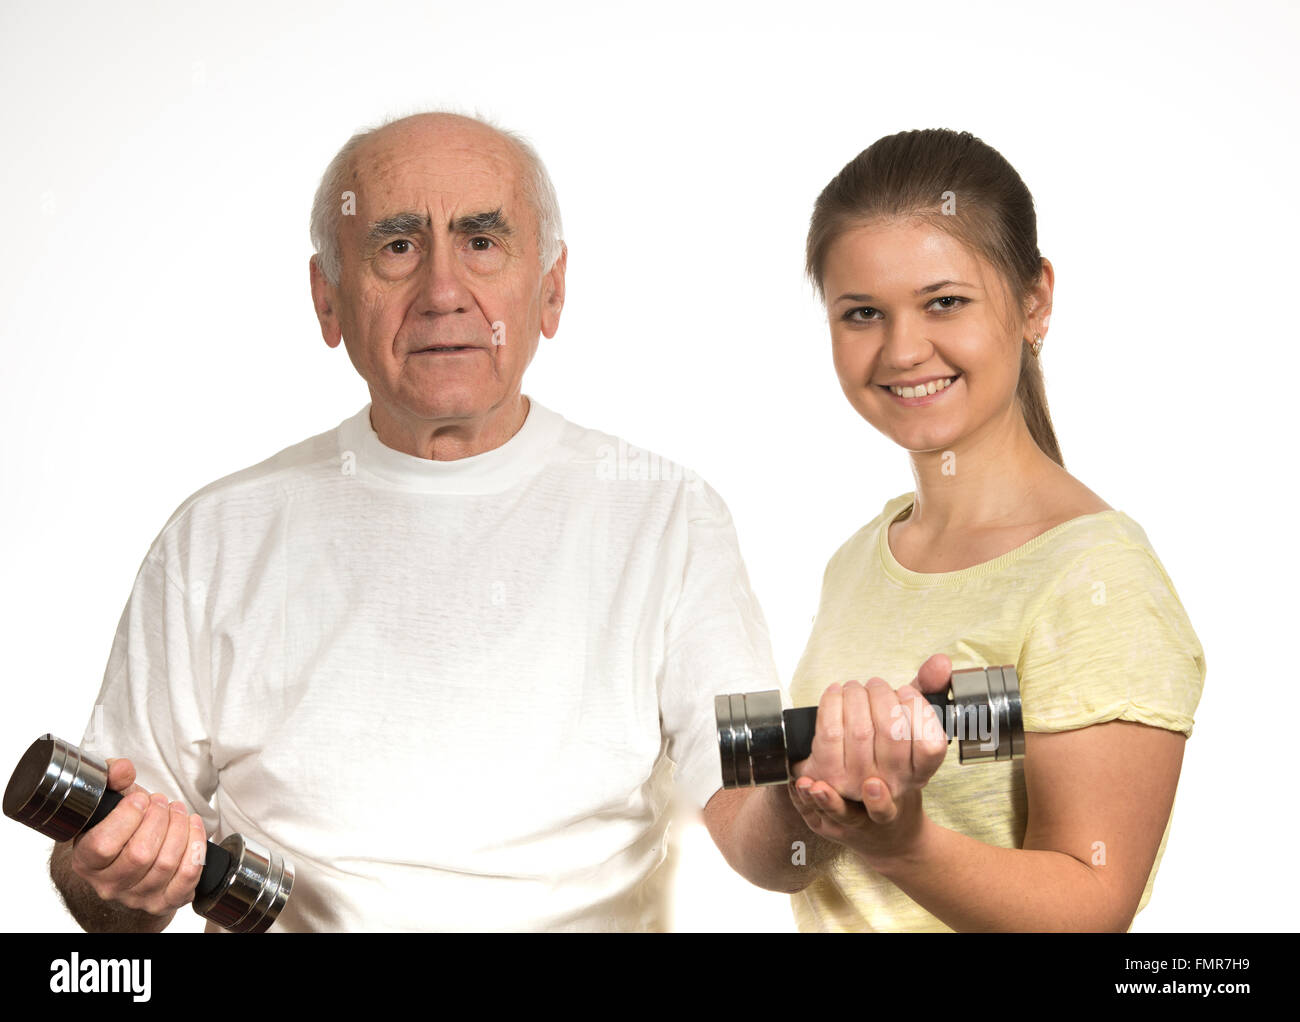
{"x": 553, "y": 293}
{"x": 324, "y": 297}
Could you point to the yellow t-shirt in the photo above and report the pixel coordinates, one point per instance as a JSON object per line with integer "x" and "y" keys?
{"x": 1086, "y": 614}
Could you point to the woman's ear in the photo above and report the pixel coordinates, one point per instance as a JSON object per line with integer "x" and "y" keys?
{"x": 1040, "y": 300}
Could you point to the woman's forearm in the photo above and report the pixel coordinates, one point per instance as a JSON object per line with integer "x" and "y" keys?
{"x": 972, "y": 886}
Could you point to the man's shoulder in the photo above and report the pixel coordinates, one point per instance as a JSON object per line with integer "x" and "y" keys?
{"x": 265, "y": 484}
{"x": 610, "y": 458}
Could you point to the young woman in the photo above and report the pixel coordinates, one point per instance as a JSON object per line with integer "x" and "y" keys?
{"x": 924, "y": 250}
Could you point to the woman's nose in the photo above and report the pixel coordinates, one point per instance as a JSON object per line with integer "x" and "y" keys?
{"x": 905, "y": 344}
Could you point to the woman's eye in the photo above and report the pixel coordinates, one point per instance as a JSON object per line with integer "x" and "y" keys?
{"x": 958, "y": 302}
{"x": 861, "y": 314}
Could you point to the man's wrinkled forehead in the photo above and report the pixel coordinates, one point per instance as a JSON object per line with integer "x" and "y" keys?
{"x": 442, "y": 174}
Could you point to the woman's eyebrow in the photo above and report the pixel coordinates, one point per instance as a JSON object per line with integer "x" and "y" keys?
{"x": 855, "y": 297}
{"x": 942, "y": 284}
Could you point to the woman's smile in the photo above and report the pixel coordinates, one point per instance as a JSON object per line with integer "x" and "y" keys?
{"x": 922, "y": 394}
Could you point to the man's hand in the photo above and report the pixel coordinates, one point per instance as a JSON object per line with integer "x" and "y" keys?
{"x": 145, "y": 855}
{"x": 876, "y": 747}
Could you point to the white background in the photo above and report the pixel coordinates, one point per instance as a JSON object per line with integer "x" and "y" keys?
{"x": 157, "y": 330}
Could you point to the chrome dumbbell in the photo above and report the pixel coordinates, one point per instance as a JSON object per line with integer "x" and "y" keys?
{"x": 759, "y": 742}
{"x": 60, "y": 791}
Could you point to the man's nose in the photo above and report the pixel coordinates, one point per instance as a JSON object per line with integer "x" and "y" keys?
{"x": 442, "y": 282}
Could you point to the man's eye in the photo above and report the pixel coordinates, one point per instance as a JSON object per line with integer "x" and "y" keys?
{"x": 399, "y": 251}
{"x": 481, "y": 244}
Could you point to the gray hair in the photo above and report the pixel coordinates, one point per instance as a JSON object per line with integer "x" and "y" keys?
{"x": 327, "y": 209}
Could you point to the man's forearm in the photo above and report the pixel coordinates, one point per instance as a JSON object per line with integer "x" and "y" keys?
{"x": 92, "y": 913}
{"x": 764, "y": 839}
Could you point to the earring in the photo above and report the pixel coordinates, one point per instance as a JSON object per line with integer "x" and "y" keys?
{"x": 1037, "y": 346}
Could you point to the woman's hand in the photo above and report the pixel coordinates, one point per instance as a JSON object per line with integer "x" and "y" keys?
{"x": 873, "y": 751}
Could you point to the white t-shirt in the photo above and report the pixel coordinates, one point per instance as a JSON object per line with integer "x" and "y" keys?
{"x": 452, "y": 693}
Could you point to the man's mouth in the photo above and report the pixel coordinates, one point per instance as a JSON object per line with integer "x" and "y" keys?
{"x": 441, "y": 348}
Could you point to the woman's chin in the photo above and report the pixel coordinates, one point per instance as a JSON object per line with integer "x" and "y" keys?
{"x": 922, "y": 441}
{"x": 916, "y": 438}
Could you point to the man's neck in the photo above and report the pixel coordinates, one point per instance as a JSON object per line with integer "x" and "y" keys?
{"x": 452, "y": 438}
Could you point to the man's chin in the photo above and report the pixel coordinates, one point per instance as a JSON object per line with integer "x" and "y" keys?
{"x": 450, "y": 403}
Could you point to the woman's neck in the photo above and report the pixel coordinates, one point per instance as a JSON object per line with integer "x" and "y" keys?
{"x": 994, "y": 478}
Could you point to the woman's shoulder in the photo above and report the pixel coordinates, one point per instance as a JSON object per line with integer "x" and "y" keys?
{"x": 1066, "y": 499}
{"x": 850, "y": 553}
{"x": 1105, "y": 634}
{"x": 894, "y": 507}
{"x": 1068, "y": 517}
{"x": 1090, "y": 544}
{"x": 1082, "y": 520}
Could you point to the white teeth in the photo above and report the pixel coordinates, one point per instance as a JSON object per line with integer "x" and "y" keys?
{"x": 924, "y": 389}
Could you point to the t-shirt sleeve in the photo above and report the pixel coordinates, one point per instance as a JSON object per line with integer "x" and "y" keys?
{"x": 150, "y": 708}
{"x": 1111, "y": 641}
{"x": 717, "y": 643}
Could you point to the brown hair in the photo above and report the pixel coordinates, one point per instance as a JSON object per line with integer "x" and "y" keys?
{"x": 911, "y": 175}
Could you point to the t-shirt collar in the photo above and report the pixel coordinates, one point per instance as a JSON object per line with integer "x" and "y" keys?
{"x": 362, "y": 453}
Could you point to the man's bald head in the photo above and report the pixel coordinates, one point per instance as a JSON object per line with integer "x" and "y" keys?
{"x": 429, "y": 128}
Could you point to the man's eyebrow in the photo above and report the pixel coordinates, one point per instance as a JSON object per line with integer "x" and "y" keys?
{"x": 413, "y": 223}
{"x": 937, "y": 286}
{"x": 473, "y": 223}
{"x": 398, "y": 223}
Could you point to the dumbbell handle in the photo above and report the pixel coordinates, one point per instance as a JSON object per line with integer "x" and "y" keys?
{"x": 759, "y": 742}
{"x": 216, "y": 862}
{"x": 61, "y": 791}
{"x": 801, "y": 723}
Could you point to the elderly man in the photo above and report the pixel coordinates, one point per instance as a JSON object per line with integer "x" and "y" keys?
{"x": 451, "y": 656}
